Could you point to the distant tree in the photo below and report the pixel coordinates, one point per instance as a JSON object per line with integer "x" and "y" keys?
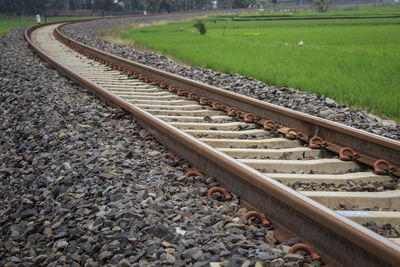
{"x": 322, "y": 5}
{"x": 136, "y": 5}
{"x": 85, "y": 4}
{"x": 242, "y": 3}
{"x": 20, "y": 7}
{"x": 108, "y": 4}
{"x": 71, "y": 5}
{"x": 56, "y": 4}
{"x": 29, "y": 7}
{"x": 200, "y": 26}
{"x": 153, "y": 5}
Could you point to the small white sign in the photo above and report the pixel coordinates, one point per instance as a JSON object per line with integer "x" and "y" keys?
{"x": 355, "y": 213}
{"x": 38, "y": 19}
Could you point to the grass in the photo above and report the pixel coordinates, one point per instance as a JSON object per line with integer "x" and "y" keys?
{"x": 354, "y": 61}
{"x": 385, "y": 9}
{"x": 7, "y": 24}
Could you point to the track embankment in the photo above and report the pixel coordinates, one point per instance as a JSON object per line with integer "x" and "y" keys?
{"x": 262, "y": 138}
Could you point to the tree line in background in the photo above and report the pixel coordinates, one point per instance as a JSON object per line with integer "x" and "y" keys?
{"x": 30, "y": 7}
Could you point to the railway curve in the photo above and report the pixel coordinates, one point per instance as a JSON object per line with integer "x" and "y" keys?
{"x": 223, "y": 119}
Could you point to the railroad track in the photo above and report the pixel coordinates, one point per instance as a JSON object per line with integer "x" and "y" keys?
{"x": 271, "y": 146}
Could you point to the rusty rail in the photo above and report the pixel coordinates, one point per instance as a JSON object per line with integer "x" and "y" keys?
{"x": 340, "y": 238}
{"x": 370, "y": 147}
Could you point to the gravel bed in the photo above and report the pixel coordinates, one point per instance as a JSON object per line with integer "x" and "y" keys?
{"x": 82, "y": 184}
{"x": 313, "y": 104}
{"x": 348, "y": 186}
{"x": 386, "y": 230}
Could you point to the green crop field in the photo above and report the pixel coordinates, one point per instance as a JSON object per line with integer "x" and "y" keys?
{"x": 346, "y": 10}
{"x": 7, "y": 24}
{"x": 354, "y": 61}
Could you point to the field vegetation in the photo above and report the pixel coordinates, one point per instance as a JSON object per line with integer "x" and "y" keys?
{"x": 386, "y": 9}
{"x": 9, "y": 23}
{"x": 356, "y": 61}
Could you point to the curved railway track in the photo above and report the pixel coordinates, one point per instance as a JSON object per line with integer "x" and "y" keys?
{"x": 247, "y": 145}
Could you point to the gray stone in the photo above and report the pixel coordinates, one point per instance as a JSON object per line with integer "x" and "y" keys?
{"x": 201, "y": 263}
{"x": 14, "y": 259}
{"x": 169, "y": 259}
{"x": 192, "y": 252}
{"x": 105, "y": 256}
{"x": 293, "y": 257}
{"x": 153, "y": 153}
{"x": 389, "y": 123}
{"x": 123, "y": 263}
{"x": 330, "y": 102}
{"x": 26, "y": 214}
{"x": 277, "y": 262}
{"x": 267, "y": 255}
{"x": 61, "y": 244}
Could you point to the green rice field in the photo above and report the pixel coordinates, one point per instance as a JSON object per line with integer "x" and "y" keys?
{"x": 355, "y": 61}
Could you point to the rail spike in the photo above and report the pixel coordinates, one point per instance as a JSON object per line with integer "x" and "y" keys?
{"x": 317, "y": 142}
{"x": 306, "y": 248}
{"x": 217, "y": 106}
{"x": 220, "y": 190}
{"x": 250, "y": 117}
{"x": 347, "y": 154}
{"x": 204, "y": 101}
{"x": 193, "y": 173}
{"x": 258, "y": 215}
{"x": 169, "y": 155}
{"x": 383, "y": 167}
{"x": 182, "y": 92}
{"x": 270, "y": 125}
{"x": 233, "y": 111}
{"x": 193, "y": 96}
{"x": 292, "y": 133}
{"x": 172, "y": 88}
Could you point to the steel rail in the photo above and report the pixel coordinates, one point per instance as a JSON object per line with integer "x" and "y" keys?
{"x": 370, "y": 147}
{"x": 340, "y": 238}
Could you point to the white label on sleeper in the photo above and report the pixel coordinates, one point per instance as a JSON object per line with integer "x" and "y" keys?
{"x": 355, "y": 213}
